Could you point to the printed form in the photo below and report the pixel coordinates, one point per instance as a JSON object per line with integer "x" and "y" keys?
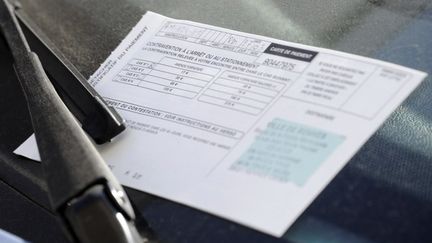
{"x": 245, "y": 127}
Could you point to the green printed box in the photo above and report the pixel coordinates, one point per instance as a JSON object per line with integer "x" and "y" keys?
{"x": 287, "y": 151}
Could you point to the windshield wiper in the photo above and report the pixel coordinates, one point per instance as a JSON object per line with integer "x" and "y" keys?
{"x": 91, "y": 203}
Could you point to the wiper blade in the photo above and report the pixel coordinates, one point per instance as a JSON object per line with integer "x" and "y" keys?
{"x": 99, "y": 120}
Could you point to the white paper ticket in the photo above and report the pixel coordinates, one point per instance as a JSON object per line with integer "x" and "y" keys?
{"x": 242, "y": 126}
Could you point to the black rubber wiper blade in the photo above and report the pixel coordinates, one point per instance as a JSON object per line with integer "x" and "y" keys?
{"x": 97, "y": 118}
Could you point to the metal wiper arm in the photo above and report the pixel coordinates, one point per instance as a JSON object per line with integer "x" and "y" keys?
{"x": 83, "y": 192}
